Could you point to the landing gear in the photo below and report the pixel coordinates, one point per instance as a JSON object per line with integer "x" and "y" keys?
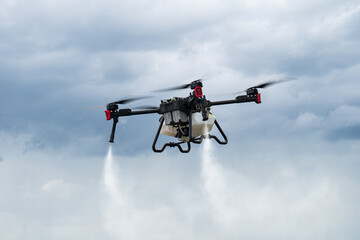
{"x": 191, "y": 139}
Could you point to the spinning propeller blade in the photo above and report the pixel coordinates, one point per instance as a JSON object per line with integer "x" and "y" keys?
{"x": 269, "y": 83}
{"x": 121, "y": 101}
{"x": 127, "y": 100}
{"x": 183, "y": 86}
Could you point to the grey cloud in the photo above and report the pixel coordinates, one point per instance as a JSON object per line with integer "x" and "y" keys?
{"x": 282, "y": 159}
{"x": 102, "y": 27}
{"x": 345, "y": 133}
{"x": 68, "y": 58}
{"x": 308, "y": 47}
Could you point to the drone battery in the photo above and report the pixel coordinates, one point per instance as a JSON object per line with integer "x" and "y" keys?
{"x": 175, "y": 117}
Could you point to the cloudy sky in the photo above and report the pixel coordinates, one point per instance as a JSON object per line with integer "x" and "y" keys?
{"x": 290, "y": 170}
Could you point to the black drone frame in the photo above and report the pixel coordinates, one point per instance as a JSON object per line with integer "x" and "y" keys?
{"x": 196, "y": 102}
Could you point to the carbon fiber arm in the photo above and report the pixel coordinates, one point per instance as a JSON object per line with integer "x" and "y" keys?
{"x": 239, "y": 99}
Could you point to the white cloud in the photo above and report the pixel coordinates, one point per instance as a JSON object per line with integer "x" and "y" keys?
{"x": 60, "y": 188}
{"x": 344, "y": 116}
{"x": 309, "y": 120}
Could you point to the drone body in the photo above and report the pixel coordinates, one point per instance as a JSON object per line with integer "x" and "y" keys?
{"x": 188, "y": 119}
{"x": 180, "y": 130}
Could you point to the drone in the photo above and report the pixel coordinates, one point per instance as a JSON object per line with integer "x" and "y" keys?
{"x": 188, "y": 119}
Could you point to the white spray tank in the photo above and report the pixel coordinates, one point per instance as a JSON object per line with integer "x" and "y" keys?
{"x": 199, "y": 127}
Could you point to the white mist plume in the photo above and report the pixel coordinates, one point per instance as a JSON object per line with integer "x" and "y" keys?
{"x": 214, "y": 182}
{"x": 240, "y": 203}
{"x": 116, "y": 208}
{"x": 126, "y": 217}
{"x": 110, "y": 180}
{"x": 235, "y": 203}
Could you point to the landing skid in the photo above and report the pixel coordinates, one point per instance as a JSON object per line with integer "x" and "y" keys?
{"x": 193, "y": 140}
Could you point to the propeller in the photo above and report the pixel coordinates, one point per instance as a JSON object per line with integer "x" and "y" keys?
{"x": 269, "y": 83}
{"x": 121, "y": 101}
{"x": 127, "y": 100}
{"x": 183, "y": 86}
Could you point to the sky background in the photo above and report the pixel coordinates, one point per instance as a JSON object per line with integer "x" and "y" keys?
{"x": 290, "y": 170}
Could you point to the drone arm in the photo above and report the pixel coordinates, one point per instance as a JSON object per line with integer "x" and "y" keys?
{"x": 121, "y": 113}
{"x": 129, "y": 112}
{"x": 239, "y": 99}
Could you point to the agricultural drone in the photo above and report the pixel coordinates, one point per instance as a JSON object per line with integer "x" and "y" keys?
{"x": 188, "y": 119}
